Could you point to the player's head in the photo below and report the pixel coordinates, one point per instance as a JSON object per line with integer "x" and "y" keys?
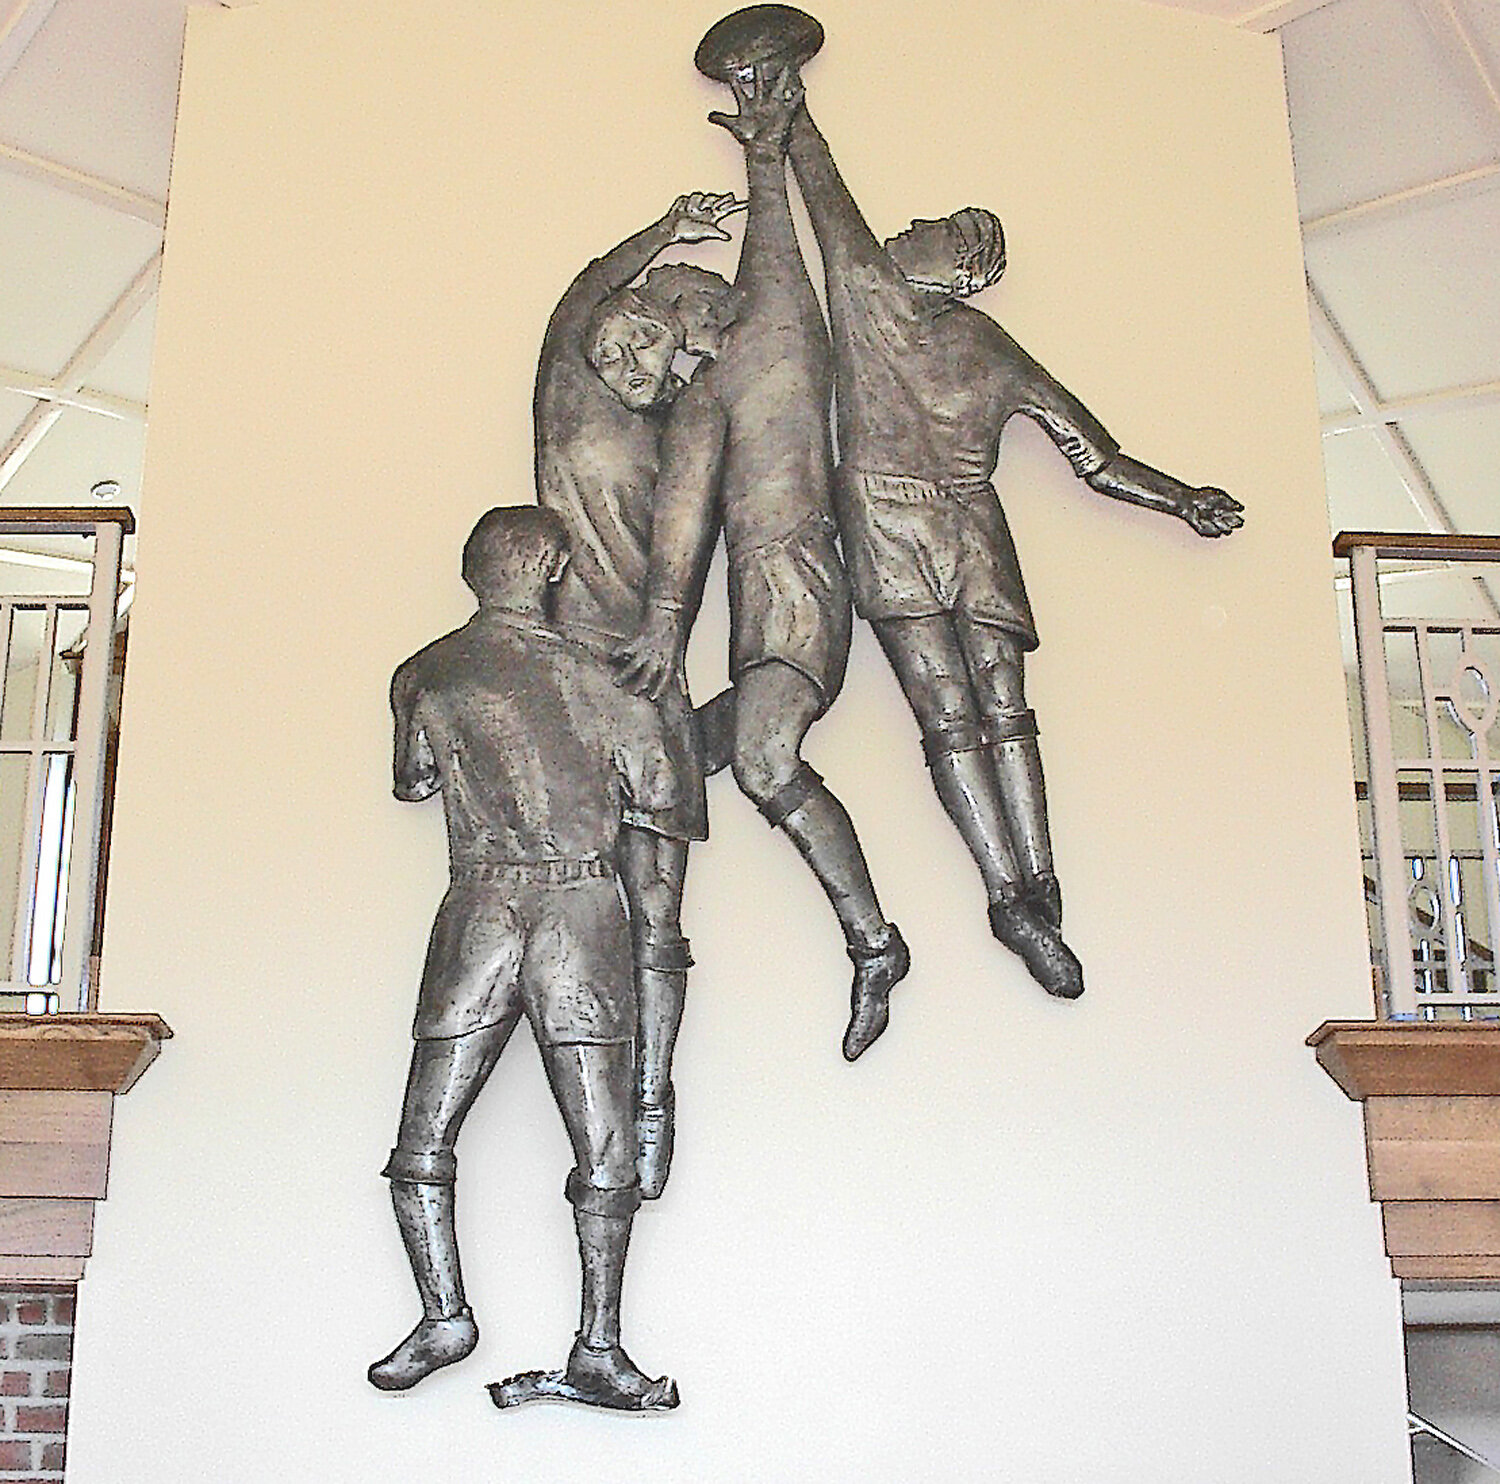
{"x": 630, "y": 343}
{"x": 513, "y": 554}
{"x": 956, "y": 255}
{"x": 701, "y": 304}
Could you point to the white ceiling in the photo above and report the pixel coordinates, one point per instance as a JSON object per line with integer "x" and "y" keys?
{"x": 1395, "y": 108}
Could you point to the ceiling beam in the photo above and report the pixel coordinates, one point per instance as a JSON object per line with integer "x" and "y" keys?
{"x": 1414, "y": 478}
{"x": 24, "y": 18}
{"x": 1399, "y": 409}
{"x": 80, "y": 183}
{"x": 14, "y": 556}
{"x": 44, "y": 389}
{"x": 1356, "y": 381}
{"x": 1277, "y": 13}
{"x": 1467, "y": 183}
{"x": 1465, "y": 58}
{"x": 70, "y": 381}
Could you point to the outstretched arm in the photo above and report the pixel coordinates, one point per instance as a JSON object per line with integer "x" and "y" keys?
{"x": 1096, "y": 457}
{"x": 684, "y": 527}
{"x": 695, "y": 217}
{"x": 416, "y": 775}
{"x": 771, "y": 268}
{"x": 1209, "y": 511}
{"x": 844, "y": 237}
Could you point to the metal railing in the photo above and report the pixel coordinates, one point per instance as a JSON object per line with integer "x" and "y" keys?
{"x": 1420, "y": 1427}
{"x": 57, "y": 656}
{"x": 1429, "y": 699}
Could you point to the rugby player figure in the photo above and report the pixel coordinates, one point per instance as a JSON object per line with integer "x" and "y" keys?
{"x": 518, "y": 723}
{"x": 596, "y": 464}
{"x": 746, "y": 446}
{"x": 925, "y": 386}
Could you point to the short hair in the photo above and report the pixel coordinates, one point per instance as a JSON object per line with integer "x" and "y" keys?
{"x": 511, "y": 544}
{"x": 625, "y": 301}
{"x": 668, "y": 285}
{"x": 981, "y": 256}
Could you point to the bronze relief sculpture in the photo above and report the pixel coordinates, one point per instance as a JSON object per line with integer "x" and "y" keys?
{"x": 557, "y": 725}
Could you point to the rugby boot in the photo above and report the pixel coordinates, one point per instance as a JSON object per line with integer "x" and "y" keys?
{"x": 878, "y": 970}
{"x": 606, "y": 1376}
{"x": 1016, "y": 922}
{"x": 433, "y": 1344}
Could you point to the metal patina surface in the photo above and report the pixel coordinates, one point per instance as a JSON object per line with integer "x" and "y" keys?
{"x": 556, "y": 724}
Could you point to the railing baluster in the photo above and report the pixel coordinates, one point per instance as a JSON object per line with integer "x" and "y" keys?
{"x": 1454, "y": 950}
{"x": 1391, "y": 876}
{"x": 88, "y": 767}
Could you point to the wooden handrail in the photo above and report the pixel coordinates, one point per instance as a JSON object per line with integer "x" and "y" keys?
{"x": 64, "y": 520}
{"x": 1414, "y": 545}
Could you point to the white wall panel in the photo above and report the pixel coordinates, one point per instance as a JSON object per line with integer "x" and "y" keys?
{"x": 1121, "y": 1240}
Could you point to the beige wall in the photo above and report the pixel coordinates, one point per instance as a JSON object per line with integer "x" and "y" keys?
{"x": 1122, "y": 1240}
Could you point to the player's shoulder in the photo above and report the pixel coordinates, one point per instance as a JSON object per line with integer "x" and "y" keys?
{"x": 993, "y": 346}
{"x": 558, "y": 644}
{"x": 428, "y": 663}
{"x": 975, "y": 325}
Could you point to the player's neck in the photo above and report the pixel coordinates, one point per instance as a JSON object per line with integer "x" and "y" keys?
{"x": 501, "y": 612}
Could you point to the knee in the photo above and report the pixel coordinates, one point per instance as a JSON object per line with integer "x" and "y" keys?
{"x": 602, "y": 1200}
{"x": 948, "y": 705}
{"x": 605, "y": 1181}
{"x": 421, "y": 1166}
{"x": 954, "y": 734}
{"x": 950, "y": 721}
{"x": 1000, "y": 680}
{"x": 1011, "y": 724}
{"x": 763, "y": 766}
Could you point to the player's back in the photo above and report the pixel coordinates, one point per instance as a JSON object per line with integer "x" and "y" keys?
{"x": 536, "y": 748}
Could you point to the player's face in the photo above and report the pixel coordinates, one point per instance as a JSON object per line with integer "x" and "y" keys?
{"x": 633, "y": 358}
{"x": 927, "y": 253}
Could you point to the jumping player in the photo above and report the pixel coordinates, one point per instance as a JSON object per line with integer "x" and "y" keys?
{"x": 747, "y": 445}
{"x": 925, "y": 386}
{"x": 596, "y": 465}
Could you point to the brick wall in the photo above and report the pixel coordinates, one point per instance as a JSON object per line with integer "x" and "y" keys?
{"x": 36, "y": 1356}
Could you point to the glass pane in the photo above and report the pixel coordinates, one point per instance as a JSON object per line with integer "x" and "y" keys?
{"x": 67, "y": 658}
{"x": 26, "y": 631}
{"x": 1408, "y": 725}
{"x": 13, "y": 829}
{"x": 1425, "y": 894}
{"x": 1445, "y": 672}
{"x": 44, "y": 956}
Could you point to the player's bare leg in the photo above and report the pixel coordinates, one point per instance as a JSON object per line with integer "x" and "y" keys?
{"x": 998, "y": 667}
{"x": 653, "y": 870}
{"x": 444, "y": 1080}
{"x": 933, "y": 670}
{"x": 777, "y": 706}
